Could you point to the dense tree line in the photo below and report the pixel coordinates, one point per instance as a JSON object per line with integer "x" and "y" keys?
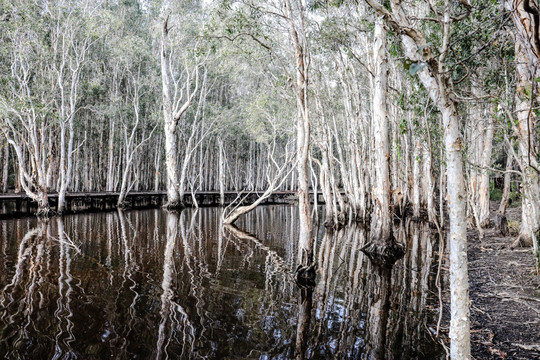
{"x": 387, "y": 108}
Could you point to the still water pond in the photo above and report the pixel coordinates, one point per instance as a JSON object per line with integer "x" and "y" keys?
{"x": 154, "y": 285}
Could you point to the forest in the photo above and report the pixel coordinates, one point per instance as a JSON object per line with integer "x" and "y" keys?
{"x": 373, "y": 116}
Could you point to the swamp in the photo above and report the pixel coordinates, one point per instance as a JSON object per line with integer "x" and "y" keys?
{"x": 269, "y": 179}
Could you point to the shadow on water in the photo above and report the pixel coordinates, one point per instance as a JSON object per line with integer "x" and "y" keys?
{"x": 156, "y": 284}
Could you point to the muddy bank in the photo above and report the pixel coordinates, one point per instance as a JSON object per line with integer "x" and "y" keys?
{"x": 505, "y": 296}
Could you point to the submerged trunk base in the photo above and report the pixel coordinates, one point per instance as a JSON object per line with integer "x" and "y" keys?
{"x": 384, "y": 254}
{"x": 174, "y": 205}
{"x": 340, "y": 223}
{"x": 123, "y": 205}
{"x": 45, "y": 212}
{"x": 305, "y": 276}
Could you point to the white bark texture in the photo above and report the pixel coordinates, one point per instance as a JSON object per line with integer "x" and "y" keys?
{"x": 434, "y": 77}
{"x": 381, "y": 219}
{"x": 171, "y": 142}
{"x": 527, "y": 54}
{"x": 298, "y": 42}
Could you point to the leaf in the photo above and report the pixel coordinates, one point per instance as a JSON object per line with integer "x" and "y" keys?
{"x": 416, "y": 67}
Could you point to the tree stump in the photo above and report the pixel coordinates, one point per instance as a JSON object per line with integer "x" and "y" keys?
{"x": 501, "y": 224}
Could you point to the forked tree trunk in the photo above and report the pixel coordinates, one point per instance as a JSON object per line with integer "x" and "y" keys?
{"x": 171, "y": 142}
{"x": 173, "y": 110}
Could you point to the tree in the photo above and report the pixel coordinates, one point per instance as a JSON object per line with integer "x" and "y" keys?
{"x": 25, "y": 104}
{"x": 434, "y": 76}
{"x": 527, "y": 52}
{"x": 175, "y": 105}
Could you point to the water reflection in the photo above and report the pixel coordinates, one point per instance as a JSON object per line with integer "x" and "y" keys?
{"x": 156, "y": 284}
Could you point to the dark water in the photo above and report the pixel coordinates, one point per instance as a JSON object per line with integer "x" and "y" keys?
{"x": 151, "y": 284}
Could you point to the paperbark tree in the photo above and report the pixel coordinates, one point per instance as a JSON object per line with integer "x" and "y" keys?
{"x": 274, "y": 182}
{"x": 295, "y": 17}
{"x": 381, "y": 240}
{"x": 71, "y": 54}
{"x": 175, "y": 106}
{"x": 525, "y": 15}
{"x": 5, "y": 168}
{"x": 26, "y": 128}
{"x": 434, "y": 76}
{"x": 132, "y": 145}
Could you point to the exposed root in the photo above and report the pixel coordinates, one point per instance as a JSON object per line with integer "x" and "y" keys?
{"x": 486, "y": 224}
{"x": 522, "y": 240}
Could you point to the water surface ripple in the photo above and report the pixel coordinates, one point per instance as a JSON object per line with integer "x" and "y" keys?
{"x": 155, "y": 285}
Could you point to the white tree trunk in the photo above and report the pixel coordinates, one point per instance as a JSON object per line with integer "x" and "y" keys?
{"x": 110, "y": 167}
{"x": 171, "y": 142}
{"x": 5, "y": 169}
{"x": 381, "y": 225}
{"x": 530, "y": 219}
{"x": 457, "y": 237}
{"x": 434, "y": 77}
{"x": 483, "y": 186}
{"x": 299, "y": 43}
{"x": 221, "y": 173}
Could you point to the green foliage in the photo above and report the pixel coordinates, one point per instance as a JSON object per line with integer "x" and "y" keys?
{"x": 495, "y": 194}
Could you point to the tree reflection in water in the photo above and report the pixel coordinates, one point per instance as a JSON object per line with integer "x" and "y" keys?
{"x": 157, "y": 284}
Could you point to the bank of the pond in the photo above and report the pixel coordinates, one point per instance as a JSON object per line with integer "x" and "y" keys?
{"x": 19, "y": 204}
{"x": 505, "y": 297}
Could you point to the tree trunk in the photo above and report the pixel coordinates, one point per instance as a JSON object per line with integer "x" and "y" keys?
{"x": 530, "y": 218}
{"x": 381, "y": 240}
{"x": 457, "y": 237}
{"x": 171, "y": 143}
{"x": 506, "y": 187}
{"x": 110, "y": 168}
{"x": 5, "y": 169}
{"x": 221, "y": 173}
{"x": 298, "y": 41}
{"x": 66, "y": 163}
{"x": 483, "y": 186}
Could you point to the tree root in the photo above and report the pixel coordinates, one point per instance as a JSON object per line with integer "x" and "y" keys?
{"x": 522, "y": 240}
